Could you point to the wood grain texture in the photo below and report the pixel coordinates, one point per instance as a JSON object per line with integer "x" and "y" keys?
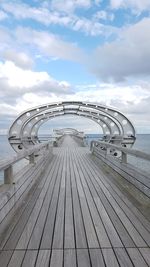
{"x": 74, "y": 216}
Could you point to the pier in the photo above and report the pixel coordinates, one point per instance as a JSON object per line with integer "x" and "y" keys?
{"x": 74, "y": 206}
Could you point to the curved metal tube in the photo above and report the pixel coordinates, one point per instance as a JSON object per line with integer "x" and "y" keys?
{"x": 23, "y": 131}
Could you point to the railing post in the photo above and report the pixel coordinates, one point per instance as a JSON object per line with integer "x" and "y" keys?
{"x": 92, "y": 146}
{"x": 124, "y": 157}
{"x": 8, "y": 175}
{"x": 32, "y": 158}
{"x": 107, "y": 150}
{"x": 47, "y": 146}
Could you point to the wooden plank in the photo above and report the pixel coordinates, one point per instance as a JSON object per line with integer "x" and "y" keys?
{"x": 7, "y": 226}
{"x": 47, "y": 237}
{"x": 116, "y": 192}
{"x": 80, "y": 236}
{"x": 83, "y": 258}
{"x": 29, "y": 259}
{"x": 113, "y": 186}
{"x": 56, "y": 258}
{"x": 70, "y": 142}
{"x": 127, "y": 173}
{"x": 135, "y": 221}
{"x": 59, "y": 223}
{"x": 19, "y": 207}
{"x": 146, "y": 254}
{"x": 17, "y": 258}
{"x": 123, "y": 257}
{"x": 110, "y": 258}
{"x": 18, "y": 229}
{"x": 99, "y": 227}
{"x": 129, "y": 151}
{"x": 15, "y": 235}
{"x": 136, "y": 257}
{"x": 69, "y": 241}
{"x": 100, "y": 197}
{"x": 124, "y": 219}
{"x": 97, "y": 258}
{"x": 58, "y": 238}
{"x": 76, "y": 206}
{"x": 36, "y": 235}
{"x": 113, "y": 235}
{"x": 137, "y": 238}
{"x": 5, "y": 257}
{"x": 70, "y": 258}
{"x": 5, "y": 163}
{"x": 129, "y": 212}
{"x": 14, "y": 193}
{"x": 43, "y": 258}
{"x": 89, "y": 227}
{"x": 26, "y": 234}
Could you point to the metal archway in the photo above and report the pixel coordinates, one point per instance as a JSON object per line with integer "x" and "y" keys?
{"x": 116, "y": 126}
{"x": 70, "y": 131}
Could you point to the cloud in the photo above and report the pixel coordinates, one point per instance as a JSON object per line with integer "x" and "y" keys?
{"x": 98, "y": 2}
{"x": 70, "y": 5}
{"x": 133, "y": 101}
{"x": 15, "y": 82}
{"x": 11, "y": 111}
{"x": 128, "y": 56}
{"x": 104, "y": 15}
{"x": 19, "y": 58}
{"x": 61, "y": 13}
{"x": 40, "y": 14}
{"x": 137, "y": 6}
{"x": 49, "y": 44}
{"x": 24, "y": 44}
{"x": 5, "y": 38}
{"x": 92, "y": 27}
{"x": 3, "y": 15}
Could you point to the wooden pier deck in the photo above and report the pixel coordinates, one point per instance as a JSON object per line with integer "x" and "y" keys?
{"x": 75, "y": 216}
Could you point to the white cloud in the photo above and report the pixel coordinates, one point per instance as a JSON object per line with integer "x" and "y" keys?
{"x": 15, "y": 82}
{"x": 70, "y": 5}
{"x": 3, "y": 15}
{"x": 49, "y": 44}
{"x": 133, "y": 101}
{"x": 103, "y": 15}
{"x": 128, "y": 56}
{"x": 40, "y": 14}
{"x": 62, "y": 15}
{"x": 36, "y": 44}
{"x": 19, "y": 58}
{"x": 93, "y": 27}
{"x": 98, "y": 2}
{"x": 136, "y": 5}
{"x": 5, "y": 38}
{"x": 7, "y": 109}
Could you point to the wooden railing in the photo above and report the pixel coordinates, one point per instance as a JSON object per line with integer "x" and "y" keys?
{"x": 6, "y": 164}
{"x": 124, "y": 151}
{"x": 119, "y": 159}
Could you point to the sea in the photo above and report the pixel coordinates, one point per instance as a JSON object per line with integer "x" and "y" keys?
{"x": 142, "y": 143}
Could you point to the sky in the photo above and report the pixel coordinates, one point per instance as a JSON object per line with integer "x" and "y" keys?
{"x": 87, "y": 50}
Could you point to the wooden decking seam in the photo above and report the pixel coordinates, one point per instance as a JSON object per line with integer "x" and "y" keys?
{"x": 76, "y": 218}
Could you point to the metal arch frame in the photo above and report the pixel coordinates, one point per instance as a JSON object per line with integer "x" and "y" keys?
{"x": 112, "y": 122}
{"x": 71, "y": 131}
{"x": 34, "y": 131}
{"x": 66, "y": 130}
{"x": 37, "y": 124}
{"x": 92, "y": 115}
{"x": 41, "y": 118}
{"x": 69, "y": 114}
